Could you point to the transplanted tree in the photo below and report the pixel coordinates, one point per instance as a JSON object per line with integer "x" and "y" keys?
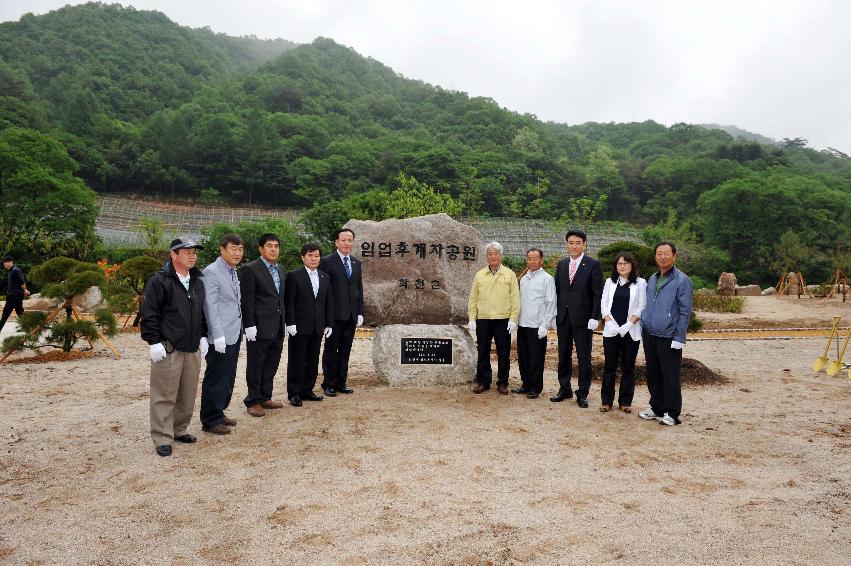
{"x": 132, "y": 276}
{"x": 44, "y": 210}
{"x": 61, "y": 278}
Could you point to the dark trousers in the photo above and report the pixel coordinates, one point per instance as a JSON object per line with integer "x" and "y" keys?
{"x": 13, "y": 302}
{"x": 663, "y": 375}
{"x": 496, "y": 330}
{"x": 567, "y": 336}
{"x": 262, "y": 365}
{"x": 531, "y": 354}
{"x": 335, "y": 357}
{"x": 620, "y": 351}
{"x": 302, "y": 363}
{"x": 217, "y": 387}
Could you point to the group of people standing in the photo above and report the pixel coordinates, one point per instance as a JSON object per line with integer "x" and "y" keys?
{"x": 655, "y": 312}
{"x": 184, "y": 311}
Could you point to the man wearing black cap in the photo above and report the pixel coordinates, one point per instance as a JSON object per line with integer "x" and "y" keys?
{"x": 174, "y": 326}
{"x": 16, "y": 290}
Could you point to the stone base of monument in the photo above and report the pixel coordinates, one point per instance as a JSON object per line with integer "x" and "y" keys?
{"x": 424, "y": 355}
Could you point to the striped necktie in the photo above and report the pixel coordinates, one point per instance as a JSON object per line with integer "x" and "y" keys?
{"x": 572, "y": 272}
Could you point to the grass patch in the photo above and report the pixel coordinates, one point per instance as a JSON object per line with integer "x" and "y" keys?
{"x": 718, "y": 303}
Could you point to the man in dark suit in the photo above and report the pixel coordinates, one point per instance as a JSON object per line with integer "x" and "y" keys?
{"x": 579, "y": 288}
{"x": 262, "y": 288}
{"x": 310, "y": 314}
{"x": 344, "y": 272}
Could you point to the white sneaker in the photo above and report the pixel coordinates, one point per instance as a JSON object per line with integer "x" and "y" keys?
{"x": 648, "y": 414}
{"x": 667, "y": 420}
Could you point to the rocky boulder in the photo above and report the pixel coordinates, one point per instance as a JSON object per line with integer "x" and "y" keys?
{"x": 425, "y": 340}
{"x": 748, "y": 291}
{"x": 417, "y": 270}
{"x": 727, "y": 284}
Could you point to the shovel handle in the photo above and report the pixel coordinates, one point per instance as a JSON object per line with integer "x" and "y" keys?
{"x": 836, "y": 320}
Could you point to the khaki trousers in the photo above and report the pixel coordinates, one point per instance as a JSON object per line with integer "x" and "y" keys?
{"x": 174, "y": 384}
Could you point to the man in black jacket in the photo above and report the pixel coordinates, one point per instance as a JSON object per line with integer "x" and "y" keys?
{"x": 310, "y": 312}
{"x": 173, "y": 324}
{"x": 579, "y": 288}
{"x": 347, "y": 288}
{"x": 261, "y": 284}
{"x": 15, "y": 291}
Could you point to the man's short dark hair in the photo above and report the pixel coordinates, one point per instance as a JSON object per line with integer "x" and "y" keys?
{"x": 268, "y": 237}
{"x": 578, "y": 233}
{"x": 540, "y": 252}
{"x": 307, "y": 248}
{"x": 666, "y": 243}
{"x": 230, "y": 238}
{"x": 339, "y": 231}
{"x": 8, "y": 257}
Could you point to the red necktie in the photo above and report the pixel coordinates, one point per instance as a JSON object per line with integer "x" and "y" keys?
{"x": 572, "y": 271}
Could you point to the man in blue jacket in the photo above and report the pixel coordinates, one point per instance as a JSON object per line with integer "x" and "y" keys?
{"x": 664, "y": 322}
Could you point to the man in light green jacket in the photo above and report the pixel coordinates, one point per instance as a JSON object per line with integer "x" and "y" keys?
{"x": 493, "y": 310}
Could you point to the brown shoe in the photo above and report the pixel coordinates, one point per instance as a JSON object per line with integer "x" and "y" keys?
{"x": 217, "y": 429}
{"x": 227, "y": 421}
{"x": 625, "y": 408}
{"x": 481, "y": 388}
{"x": 502, "y": 388}
{"x": 605, "y": 408}
{"x": 256, "y": 410}
{"x": 272, "y": 404}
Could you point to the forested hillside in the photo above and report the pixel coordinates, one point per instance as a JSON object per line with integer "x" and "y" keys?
{"x": 144, "y": 105}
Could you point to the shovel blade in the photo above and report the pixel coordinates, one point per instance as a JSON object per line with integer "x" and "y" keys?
{"x": 834, "y": 368}
{"x": 819, "y": 364}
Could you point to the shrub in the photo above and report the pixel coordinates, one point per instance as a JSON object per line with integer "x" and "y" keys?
{"x": 694, "y": 323}
{"x": 717, "y": 303}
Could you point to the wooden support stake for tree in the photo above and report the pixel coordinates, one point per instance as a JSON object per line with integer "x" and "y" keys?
{"x": 100, "y": 335}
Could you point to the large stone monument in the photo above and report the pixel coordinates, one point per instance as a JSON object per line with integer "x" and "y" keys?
{"x": 417, "y": 274}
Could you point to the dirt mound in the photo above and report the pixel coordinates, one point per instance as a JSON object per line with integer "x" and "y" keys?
{"x": 693, "y": 373}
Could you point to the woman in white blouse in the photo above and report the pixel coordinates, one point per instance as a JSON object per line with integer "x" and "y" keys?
{"x": 624, "y": 296}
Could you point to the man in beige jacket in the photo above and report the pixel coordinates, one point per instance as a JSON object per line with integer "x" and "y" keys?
{"x": 493, "y": 310}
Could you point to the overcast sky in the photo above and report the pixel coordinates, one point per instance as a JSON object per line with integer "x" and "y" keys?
{"x": 778, "y": 68}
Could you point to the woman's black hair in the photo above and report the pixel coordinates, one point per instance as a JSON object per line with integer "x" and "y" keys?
{"x": 633, "y": 274}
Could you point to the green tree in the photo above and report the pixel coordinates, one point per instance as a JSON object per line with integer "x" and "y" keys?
{"x": 44, "y": 210}
{"x": 413, "y": 198}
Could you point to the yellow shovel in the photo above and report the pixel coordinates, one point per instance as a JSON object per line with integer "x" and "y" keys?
{"x": 835, "y": 366}
{"x": 819, "y": 364}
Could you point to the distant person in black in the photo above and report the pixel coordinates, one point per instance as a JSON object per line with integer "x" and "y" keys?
{"x": 344, "y": 271}
{"x": 15, "y": 292}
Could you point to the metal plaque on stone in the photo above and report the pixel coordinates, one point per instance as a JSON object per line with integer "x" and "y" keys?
{"x": 427, "y": 351}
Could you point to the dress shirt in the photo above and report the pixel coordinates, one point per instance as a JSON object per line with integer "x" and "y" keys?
{"x": 314, "y": 281}
{"x": 273, "y": 271}
{"x": 537, "y": 299}
{"x": 494, "y": 296}
{"x": 184, "y": 280}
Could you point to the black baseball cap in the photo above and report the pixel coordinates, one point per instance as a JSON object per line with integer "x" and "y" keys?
{"x": 184, "y": 244}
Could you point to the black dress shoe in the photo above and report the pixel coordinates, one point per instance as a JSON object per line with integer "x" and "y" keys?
{"x": 295, "y": 401}
{"x": 164, "y": 450}
{"x": 533, "y": 395}
{"x": 311, "y": 397}
{"x": 186, "y": 438}
{"x": 329, "y": 392}
{"x": 522, "y": 389}
{"x": 346, "y": 390}
{"x": 561, "y": 396}
{"x": 582, "y": 402}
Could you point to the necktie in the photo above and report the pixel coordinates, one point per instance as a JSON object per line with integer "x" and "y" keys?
{"x": 572, "y": 271}
{"x": 347, "y": 267}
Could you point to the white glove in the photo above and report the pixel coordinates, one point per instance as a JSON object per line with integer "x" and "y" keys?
{"x": 592, "y": 324}
{"x": 677, "y": 345}
{"x": 157, "y": 352}
{"x": 204, "y": 346}
{"x": 220, "y": 345}
{"x": 328, "y": 332}
{"x": 251, "y": 333}
{"x": 511, "y": 326}
{"x": 472, "y": 325}
{"x": 360, "y": 320}
{"x": 624, "y": 328}
{"x": 291, "y": 330}
{"x": 542, "y": 332}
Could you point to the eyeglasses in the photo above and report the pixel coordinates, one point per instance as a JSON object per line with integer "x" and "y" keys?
{"x": 623, "y": 263}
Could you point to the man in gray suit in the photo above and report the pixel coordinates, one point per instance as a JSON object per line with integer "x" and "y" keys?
{"x": 224, "y": 322}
